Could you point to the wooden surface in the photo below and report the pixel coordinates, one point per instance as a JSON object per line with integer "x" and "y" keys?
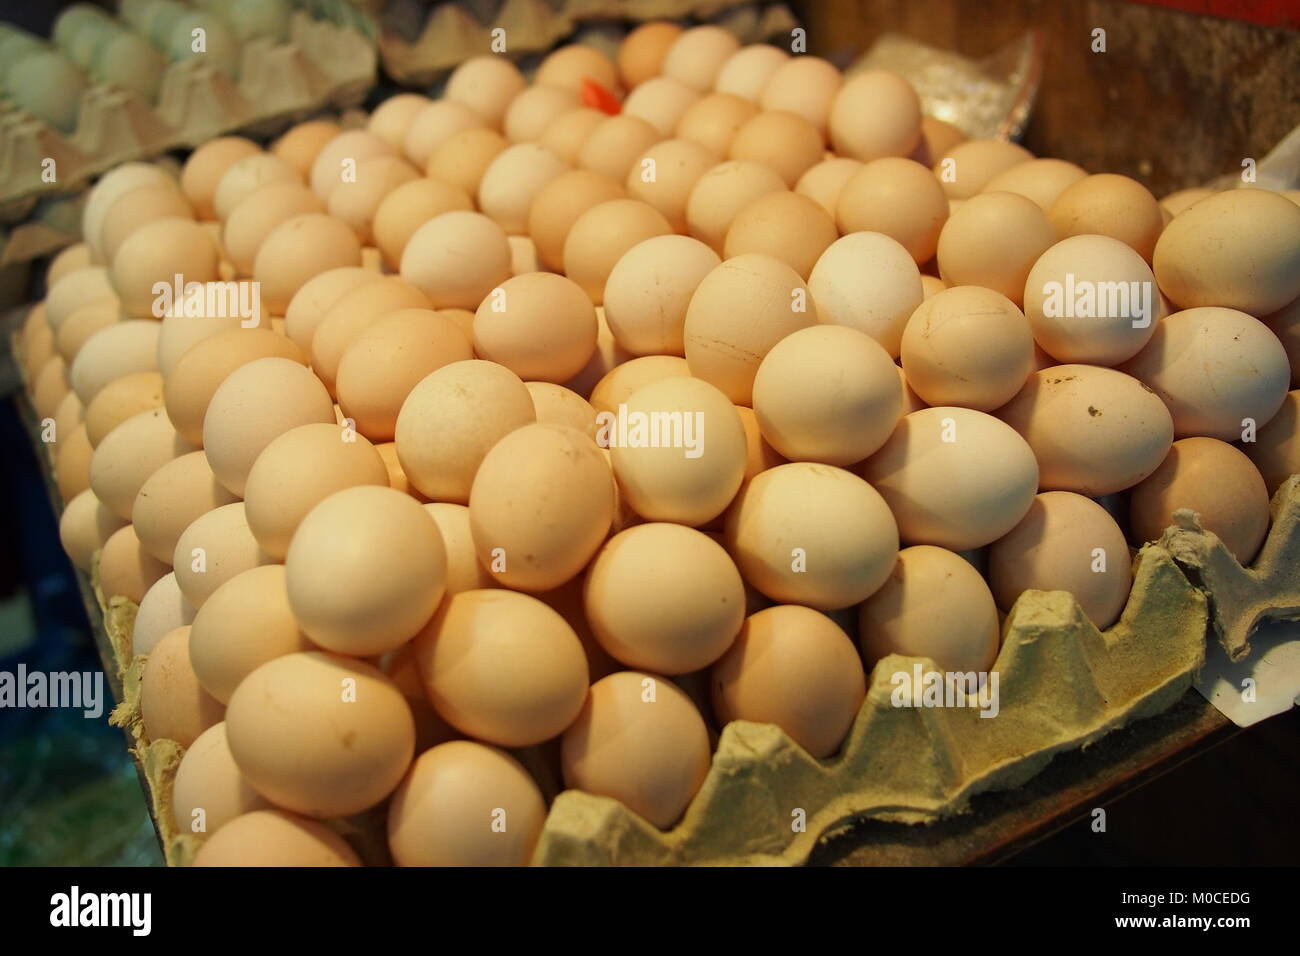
{"x": 1176, "y": 100}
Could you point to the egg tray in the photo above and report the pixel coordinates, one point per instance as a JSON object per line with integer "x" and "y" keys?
{"x": 323, "y": 65}
{"x": 452, "y": 33}
{"x": 1062, "y": 685}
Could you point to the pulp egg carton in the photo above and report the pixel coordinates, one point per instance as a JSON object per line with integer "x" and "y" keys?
{"x": 323, "y": 64}
{"x": 419, "y": 45}
{"x": 1062, "y": 685}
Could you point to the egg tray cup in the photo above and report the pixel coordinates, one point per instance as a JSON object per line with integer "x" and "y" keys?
{"x": 1063, "y": 685}
{"x": 452, "y": 34}
{"x": 322, "y": 66}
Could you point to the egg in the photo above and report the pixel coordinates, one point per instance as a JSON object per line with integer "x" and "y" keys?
{"x": 869, "y": 282}
{"x": 300, "y": 146}
{"x": 174, "y": 495}
{"x": 136, "y": 207}
{"x": 665, "y": 598}
{"x": 613, "y": 147}
{"x": 993, "y": 240}
{"x": 1212, "y": 479}
{"x": 464, "y": 157}
{"x": 721, "y": 193}
{"x": 129, "y": 454}
{"x": 1276, "y": 448}
{"x": 1066, "y": 542}
{"x": 347, "y": 724}
{"x": 487, "y": 85}
{"x": 397, "y": 479}
{"x": 464, "y": 572}
{"x": 747, "y": 71}
{"x": 157, "y": 251}
{"x": 52, "y": 385}
{"x": 172, "y": 704}
{"x": 254, "y": 217}
{"x": 899, "y": 198}
{"x": 1041, "y": 180}
{"x": 678, "y": 450}
{"x": 243, "y": 624}
{"x": 72, "y": 464}
{"x": 785, "y": 225}
{"x": 79, "y": 287}
{"x": 1238, "y": 249}
{"x": 214, "y": 548}
{"x": 340, "y": 155}
{"x": 67, "y": 417}
{"x": 618, "y": 384}
{"x": 465, "y": 804}
{"x": 697, "y": 55}
{"x": 188, "y": 390}
{"x": 808, "y": 85}
{"x": 407, "y": 208}
{"x": 502, "y": 667}
{"x": 1109, "y": 205}
{"x": 649, "y": 289}
{"x": 954, "y": 477}
{"x": 1216, "y": 369}
{"x": 784, "y": 141}
{"x": 85, "y": 525}
{"x": 823, "y": 183}
{"x": 534, "y": 109}
{"x": 804, "y": 420}
{"x": 179, "y": 332}
{"x": 538, "y": 325}
{"x": 67, "y": 260}
{"x": 1093, "y": 300}
{"x": 560, "y": 203}
{"x": 393, "y": 557}
{"x": 456, "y": 259}
{"x": 738, "y": 312}
{"x": 275, "y": 838}
{"x": 792, "y": 667}
{"x": 354, "y": 312}
{"x": 1177, "y": 202}
{"x": 874, "y": 114}
{"x": 209, "y": 791}
{"x": 297, "y": 250}
{"x": 640, "y": 740}
{"x": 537, "y": 549}
{"x": 665, "y": 175}
{"x": 163, "y": 610}
{"x": 661, "y": 101}
{"x": 968, "y": 167}
{"x": 601, "y": 235}
{"x": 246, "y": 176}
{"x": 255, "y": 404}
{"x": 641, "y": 54}
{"x": 450, "y": 421}
{"x": 1094, "y": 431}
{"x": 206, "y": 166}
{"x": 391, "y": 119}
{"x": 356, "y": 200}
{"x": 934, "y": 605}
{"x": 967, "y": 346}
{"x": 35, "y": 345}
{"x": 1285, "y": 324}
{"x": 810, "y": 534}
{"x": 115, "y": 351}
{"x": 513, "y": 180}
{"x": 82, "y": 323}
{"x": 566, "y": 134}
{"x": 125, "y": 568}
{"x": 384, "y": 362}
{"x": 570, "y": 66}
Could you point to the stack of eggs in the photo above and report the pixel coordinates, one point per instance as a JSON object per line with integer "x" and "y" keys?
{"x": 580, "y": 418}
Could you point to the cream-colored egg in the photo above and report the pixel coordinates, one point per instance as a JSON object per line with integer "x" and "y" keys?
{"x": 502, "y": 667}
{"x": 340, "y": 155}
{"x": 712, "y": 121}
{"x": 662, "y": 102}
{"x": 738, "y": 312}
{"x": 207, "y": 165}
{"x": 214, "y": 548}
{"x": 571, "y": 64}
{"x": 538, "y": 325}
{"x": 389, "y": 550}
{"x": 83, "y": 322}
{"x": 1042, "y": 180}
{"x": 784, "y": 141}
{"x": 162, "y": 611}
{"x": 126, "y": 569}
{"x": 464, "y": 157}
{"x": 746, "y": 72}
{"x": 407, "y": 208}
{"x": 565, "y": 136}
{"x": 534, "y": 109}
{"x": 158, "y": 251}
{"x": 1217, "y": 371}
{"x": 822, "y": 183}
{"x": 248, "y": 175}
{"x": 456, "y": 259}
{"x": 135, "y": 207}
{"x": 300, "y": 146}
{"x": 433, "y": 126}
{"x": 129, "y": 454}
{"x": 649, "y": 289}
{"x": 560, "y": 203}
{"x": 812, "y": 534}
{"x": 85, "y": 525}
{"x": 354, "y": 312}
{"x": 348, "y": 725}
{"x": 614, "y": 146}
{"x": 618, "y": 384}
{"x": 445, "y": 811}
{"x": 803, "y": 419}
{"x": 297, "y": 250}
{"x": 391, "y": 119}
{"x": 513, "y": 180}
{"x": 640, "y": 740}
{"x": 641, "y": 54}
{"x": 464, "y": 571}
{"x": 936, "y": 605}
{"x": 254, "y": 217}
{"x": 68, "y": 259}
{"x": 784, "y": 225}
{"x": 72, "y": 463}
{"x": 1109, "y": 205}
{"x": 600, "y": 237}
{"x": 119, "y": 400}
{"x": 275, "y": 838}
{"x": 722, "y": 192}
{"x": 874, "y": 114}
{"x": 450, "y": 421}
{"x": 79, "y": 287}
{"x": 209, "y": 790}
{"x": 665, "y": 175}
{"x": 993, "y": 240}
{"x": 967, "y": 346}
{"x": 795, "y": 668}
{"x": 173, "y": 706}
{"x": 954, "y": 477}
{"x": 172, "y": 498}
{"x": 897, "y": 197}
{"x": 868, "y": 282}
{"x": 1276, "y": 448}
{"x": 969, "y": 166}
{"x": 1066, "y": 542}
{"x": 487, "y": 85}
{"x": 115, "y": 351}
{"x": 697, "y": 55}
{"x": 807, "y": 86}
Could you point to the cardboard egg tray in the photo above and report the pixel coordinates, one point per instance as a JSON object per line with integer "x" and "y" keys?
{"x": 323, "y": 65}
{"x": 418, "y": 54}
{"x": 1062, "y": 685}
